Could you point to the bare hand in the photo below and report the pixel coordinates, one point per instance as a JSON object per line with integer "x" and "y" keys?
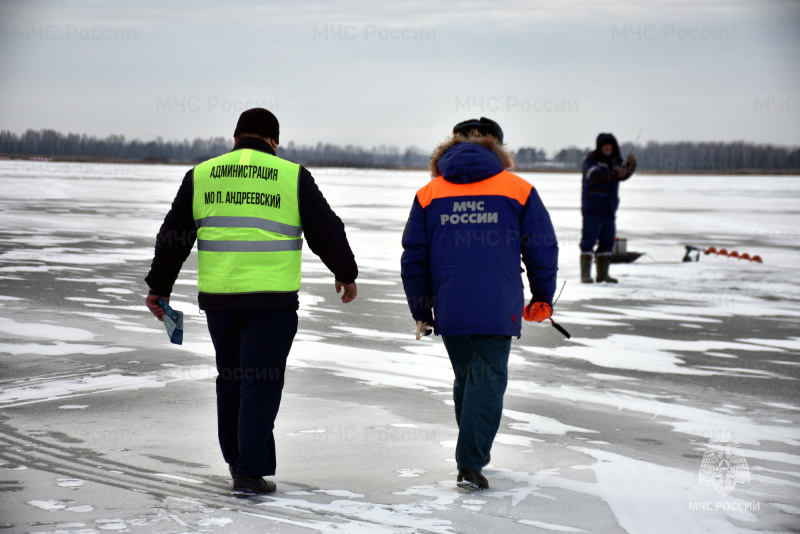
{"x": 350, "y": 291}
{"x": 423, "y": 329}
{"x": 152, "y": 303}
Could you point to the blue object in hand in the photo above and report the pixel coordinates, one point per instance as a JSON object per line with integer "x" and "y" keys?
{"x": 173, "y": 322}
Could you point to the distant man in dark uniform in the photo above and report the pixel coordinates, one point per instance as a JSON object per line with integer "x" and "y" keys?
{"x": 468, "y": 229}
{"x": 603, "y": 170}
{"x": 247, "y": 210}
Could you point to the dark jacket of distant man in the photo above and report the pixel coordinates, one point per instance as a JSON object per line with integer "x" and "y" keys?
{"x": 603, "y": 169}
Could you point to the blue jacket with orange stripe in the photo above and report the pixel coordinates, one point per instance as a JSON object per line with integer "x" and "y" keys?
{"x": 463, "y": 241}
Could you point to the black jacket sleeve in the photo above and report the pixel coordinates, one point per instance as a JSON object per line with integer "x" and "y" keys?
{"x": 174, "y": 241}
{"x": 324, "y": 230}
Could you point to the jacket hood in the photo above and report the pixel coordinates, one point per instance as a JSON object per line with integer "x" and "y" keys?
{"x": 605, "y": 139}
{"x": 470, "y": 158}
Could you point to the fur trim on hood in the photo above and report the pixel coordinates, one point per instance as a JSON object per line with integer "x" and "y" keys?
{"x": 488, "y": 141}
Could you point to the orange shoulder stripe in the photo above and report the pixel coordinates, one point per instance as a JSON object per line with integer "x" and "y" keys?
{"x": 502, "y": 184}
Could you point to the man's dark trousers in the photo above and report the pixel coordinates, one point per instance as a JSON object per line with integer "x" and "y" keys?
{"x": 598, "y": 228}
{"x": 252, "y": 345}
{"x": 480, "y": 364}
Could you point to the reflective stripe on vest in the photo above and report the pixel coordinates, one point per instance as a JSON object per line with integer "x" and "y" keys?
{"x": 250, "y": 246}
{"x": 248, "y": 224}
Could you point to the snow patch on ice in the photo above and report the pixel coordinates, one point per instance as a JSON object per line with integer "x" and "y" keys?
{"x": 77, "y": 256}
{"x": 81, "y": 508}
{"x": 648, "y": 354}
{"x": 792, "y": 343}
{"x": 781, "y": 405}
{"x": 140, "y": 329}
{"x": 645, "y": 496}
{"x": 52, "y": 506}
{"x": 59, "y": 349}
{"x": 519, "y": 441}
{"x": 69, "y": 482}
{"x": 444, "y": 494}
{"x": 474, "y": 505}
{"x": 377, "y": 368}
{"x": 111, "y": 524}
{"x": 585, "y": 318}
{"x": 21, "y": 392}
{"x": 47, "y": 505}
{"x": 778, "y": 457}
{"x": 538, "y": 424}
{"x": 358, "y": 517}
{"x": 87, "y": 299}
{"x": 410, "y": 473}
{"x": 548, "y": 526}
{"x": 115, "y": 290}
{"x": 685, "y": 419}
{"x": 375, "y": 334}
{"x": 43, "y": 331}
{"x": 178, "y": 477}
{"x": 786, "y": 508}
{"x": 341, "y": 493}
{"x": 214, "y": 521}
{"x": 603, "y": 376}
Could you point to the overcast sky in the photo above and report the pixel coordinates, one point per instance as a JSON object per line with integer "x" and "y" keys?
{"x": 552, "y": 73}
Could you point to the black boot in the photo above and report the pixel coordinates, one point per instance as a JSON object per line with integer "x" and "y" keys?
{"x": 603, "y": 261}
{"x": 473, "y": 480}
{"x": 586, "y": 268}
{"x": 244, "y": 485}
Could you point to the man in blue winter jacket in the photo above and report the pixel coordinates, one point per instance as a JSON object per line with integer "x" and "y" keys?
{"x": 603, "y": 170}
{"x": 467, "y": 230}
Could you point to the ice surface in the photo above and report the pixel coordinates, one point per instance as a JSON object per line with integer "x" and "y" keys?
{"x": 605, "y": 432}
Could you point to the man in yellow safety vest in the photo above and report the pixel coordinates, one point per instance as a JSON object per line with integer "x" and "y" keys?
{"x": 249, "y": 210}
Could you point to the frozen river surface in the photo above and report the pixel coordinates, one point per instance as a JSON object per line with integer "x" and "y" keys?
{"x": 106, "y": 426}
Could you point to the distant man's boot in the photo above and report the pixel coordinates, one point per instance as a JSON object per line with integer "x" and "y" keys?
{"x": 586, "y": 268}
{"x": 603, "y": 261}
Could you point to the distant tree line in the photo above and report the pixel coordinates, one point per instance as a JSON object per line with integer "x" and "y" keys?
{"x": 113, "y": 147}
{"x": 701, "y": 157}
{"x": 381, "y": 157}
{"x": 665, "y": 157}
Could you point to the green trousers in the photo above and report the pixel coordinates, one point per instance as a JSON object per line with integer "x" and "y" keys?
{"x": 480, "y": 364}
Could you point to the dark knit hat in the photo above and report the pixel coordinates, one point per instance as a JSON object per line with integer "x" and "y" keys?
{"x": 483, "y": 125}
{"x": 258, "y": 121}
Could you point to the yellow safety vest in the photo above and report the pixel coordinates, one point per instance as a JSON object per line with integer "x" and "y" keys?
{"x": 245, "y": 207}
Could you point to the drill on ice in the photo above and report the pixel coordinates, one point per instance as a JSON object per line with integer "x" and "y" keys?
{"x": 691, "y": 249}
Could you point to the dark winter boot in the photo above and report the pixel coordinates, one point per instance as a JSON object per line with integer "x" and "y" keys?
{"x": 586, "y": 268}
{"x": 472, "y": 480}
{"x": 244, "y": 486}
{"x": 603, "y": 261}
